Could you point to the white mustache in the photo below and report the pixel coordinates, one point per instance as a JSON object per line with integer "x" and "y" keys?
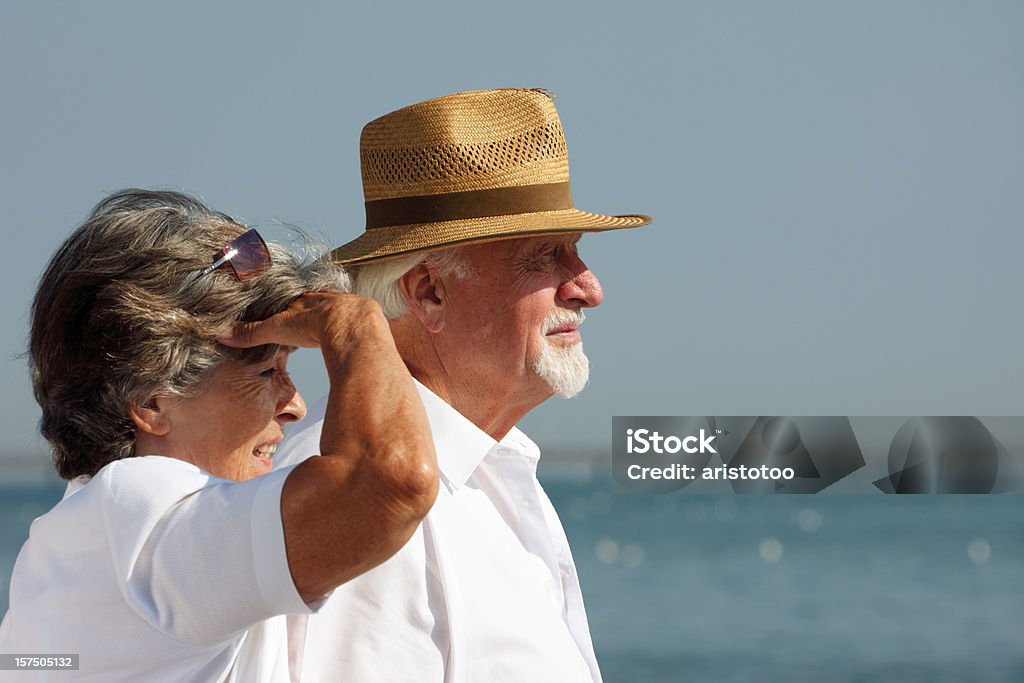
{"x": 560, "y": 316}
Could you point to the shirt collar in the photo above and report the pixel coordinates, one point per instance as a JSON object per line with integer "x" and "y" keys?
{"x": 75, "y": 484}
{"x": 460, "y": 445}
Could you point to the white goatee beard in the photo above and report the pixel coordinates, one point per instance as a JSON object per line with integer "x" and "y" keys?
{"x": 566, "y": 369}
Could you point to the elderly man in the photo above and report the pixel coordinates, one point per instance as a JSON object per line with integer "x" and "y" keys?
{"x": 471, "y": 249}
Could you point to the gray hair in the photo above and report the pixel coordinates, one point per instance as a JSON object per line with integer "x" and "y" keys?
{"x": 120, "y": 317}
{"x": 379, "y": 280}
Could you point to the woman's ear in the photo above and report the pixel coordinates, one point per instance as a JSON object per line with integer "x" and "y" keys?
{"x": 424, "y": 294}
{"x": 151, "y": 417}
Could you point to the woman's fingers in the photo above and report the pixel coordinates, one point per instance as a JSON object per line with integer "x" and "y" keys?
{"x": 304, "y": 323}
{"x": 288, "y": 328}
{"x": 243, "y": 336}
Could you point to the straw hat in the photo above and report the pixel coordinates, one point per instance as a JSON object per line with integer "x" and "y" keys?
{"x": 467, "y": 168}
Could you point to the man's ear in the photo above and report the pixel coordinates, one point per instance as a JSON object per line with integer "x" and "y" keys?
{"x": 151, "y": 417}
{"x": 424, "y": 294}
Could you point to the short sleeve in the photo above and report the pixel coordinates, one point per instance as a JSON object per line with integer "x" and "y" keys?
{"x": 199, "y": 558}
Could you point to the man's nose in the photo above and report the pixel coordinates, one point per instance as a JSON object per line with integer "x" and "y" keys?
{"x": 582, "y": 289}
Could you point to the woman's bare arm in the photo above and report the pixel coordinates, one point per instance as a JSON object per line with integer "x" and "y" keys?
{"x": 348, "y": 511}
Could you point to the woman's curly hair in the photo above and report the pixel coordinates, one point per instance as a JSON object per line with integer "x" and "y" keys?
{"x": 120, "y": 317}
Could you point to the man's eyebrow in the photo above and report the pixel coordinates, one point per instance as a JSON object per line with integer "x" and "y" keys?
{"x": 564, "y": 238}
{"x": 535, "y": 251}
{"x": 553, "y": 241}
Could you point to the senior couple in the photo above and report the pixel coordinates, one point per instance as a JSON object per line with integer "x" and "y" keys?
{"x": 418, "y": 545}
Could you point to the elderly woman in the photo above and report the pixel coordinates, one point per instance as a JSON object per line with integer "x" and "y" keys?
{"x": 174, "y": 553}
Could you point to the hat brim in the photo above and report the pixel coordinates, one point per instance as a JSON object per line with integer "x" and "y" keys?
{"x": 398, "y": 240}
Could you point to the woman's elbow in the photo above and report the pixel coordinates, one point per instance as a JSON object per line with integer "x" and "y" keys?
{"x": 412, "y": 481}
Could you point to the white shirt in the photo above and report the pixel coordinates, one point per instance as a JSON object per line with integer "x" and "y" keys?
{"x": 485, "y": 591}
{"x": 154, "y": 570}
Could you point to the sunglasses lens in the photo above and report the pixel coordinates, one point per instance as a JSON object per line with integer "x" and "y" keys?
{"x": 252, "y": 258}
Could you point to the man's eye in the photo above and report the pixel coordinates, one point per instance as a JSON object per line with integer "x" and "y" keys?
{"x": 269, "y": 372}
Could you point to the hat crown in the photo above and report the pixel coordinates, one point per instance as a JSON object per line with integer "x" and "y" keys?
{"x": 478, "y": 140}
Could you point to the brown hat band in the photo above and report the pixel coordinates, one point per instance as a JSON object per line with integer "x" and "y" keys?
{"x": 453, "y": 206}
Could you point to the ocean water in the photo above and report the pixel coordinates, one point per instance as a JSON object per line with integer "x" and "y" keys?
{"x": 773, "y": 589}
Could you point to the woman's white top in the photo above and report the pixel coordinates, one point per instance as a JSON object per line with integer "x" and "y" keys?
{"x": 154, "y": 570}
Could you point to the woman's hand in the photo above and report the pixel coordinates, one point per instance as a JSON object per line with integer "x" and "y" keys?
{"x": 310, "y": 321}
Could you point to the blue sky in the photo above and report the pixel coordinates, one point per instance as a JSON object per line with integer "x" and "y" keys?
{"x": 837, "y": 188}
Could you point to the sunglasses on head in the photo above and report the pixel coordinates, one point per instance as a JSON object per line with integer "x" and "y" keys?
{"x": 246, "y": 257}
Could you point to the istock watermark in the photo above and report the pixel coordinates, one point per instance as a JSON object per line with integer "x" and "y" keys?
{"x": 834, "y": 454}
{"x": 644, "y": 440}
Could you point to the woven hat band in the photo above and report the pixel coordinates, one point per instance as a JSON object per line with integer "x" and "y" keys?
{"x": 453, "y": 206}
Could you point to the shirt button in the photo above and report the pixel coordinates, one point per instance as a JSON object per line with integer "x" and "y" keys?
{"x": 524, "y": 505}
